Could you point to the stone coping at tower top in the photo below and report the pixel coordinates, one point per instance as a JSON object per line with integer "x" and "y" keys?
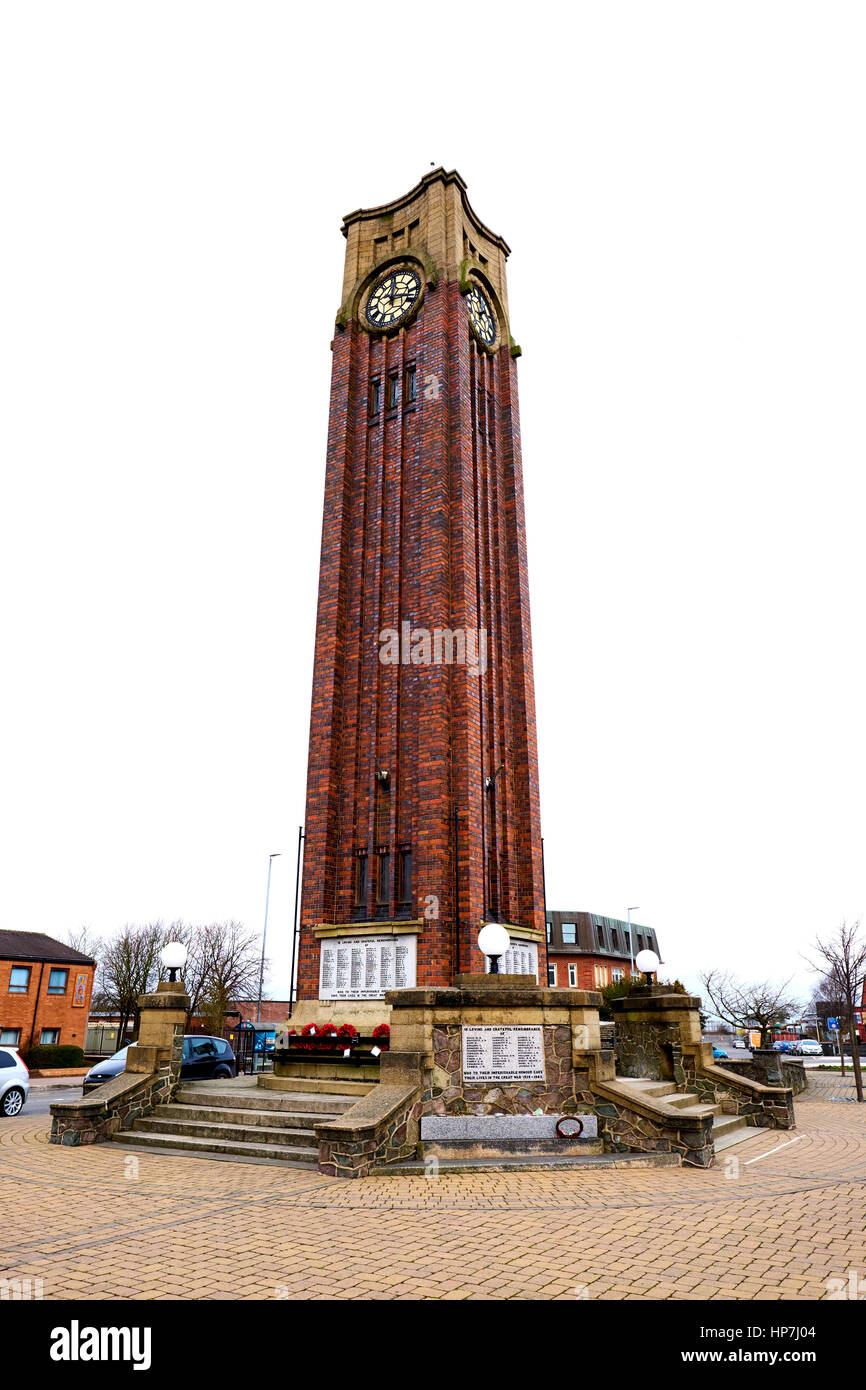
{"x": 508, "y": 996}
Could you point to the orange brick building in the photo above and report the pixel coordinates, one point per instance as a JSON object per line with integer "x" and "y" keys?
{"x": 588, "y": 951}
{"x": 422, "y": 816}
{"x": 45, "y": 990}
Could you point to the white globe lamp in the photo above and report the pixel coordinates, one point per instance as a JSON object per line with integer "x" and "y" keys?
{"x": 173, "y": 956}
{"x": 647, "y": 963}
{"x": 493, "y": 941}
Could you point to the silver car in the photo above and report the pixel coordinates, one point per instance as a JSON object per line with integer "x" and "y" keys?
{"x": 14, "y": 1082}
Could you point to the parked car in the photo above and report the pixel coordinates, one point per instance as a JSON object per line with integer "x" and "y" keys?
{"x": 738, "y": 1042}
{"x": 718, "y": 1052}
{"x": 14, "y": 1081}
{"x": 808, "y": 1047}
{"x": 781, "y": 1046}
{"x": 205, "y": 1058}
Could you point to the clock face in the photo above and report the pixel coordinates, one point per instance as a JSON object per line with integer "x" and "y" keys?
{"x": 392, "y": 298}
{"x": 481, "y": 316}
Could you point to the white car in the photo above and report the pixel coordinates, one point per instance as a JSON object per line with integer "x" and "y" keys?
{"x": 807, "y": 1047}
{"x": 14, "y": 1082}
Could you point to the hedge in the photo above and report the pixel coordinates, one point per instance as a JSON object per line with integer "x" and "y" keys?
{"x": 44, "y": 1057}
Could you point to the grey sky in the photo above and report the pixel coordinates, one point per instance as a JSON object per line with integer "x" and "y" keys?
{"x": 682, "y": 190}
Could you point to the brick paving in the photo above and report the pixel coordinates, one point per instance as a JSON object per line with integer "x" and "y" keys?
{"x": 105, "y": 1222}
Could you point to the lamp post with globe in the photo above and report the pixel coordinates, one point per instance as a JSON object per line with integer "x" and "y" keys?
{"x": 493, "y": 941}
{"x": 647, "y": 962}
{"x": 173, "y": 957}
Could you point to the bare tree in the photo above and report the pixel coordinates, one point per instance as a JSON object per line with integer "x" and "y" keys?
{"x": 764, "y": 1006}
{"x": 86, "y": 941}
{"x": 842, "y": 962}
{"x": 228, "y": 959}
{"x": 130, "y": 967}
{"x": 827, "y": 995}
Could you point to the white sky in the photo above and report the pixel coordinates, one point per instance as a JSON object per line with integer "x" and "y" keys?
{"x": 682, "y": 188}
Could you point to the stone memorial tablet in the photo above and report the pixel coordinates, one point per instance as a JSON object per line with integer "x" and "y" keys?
{"x": 364, "y": 967}
{"x": 510, "y": 1053}
{"x": 521, "y": 958}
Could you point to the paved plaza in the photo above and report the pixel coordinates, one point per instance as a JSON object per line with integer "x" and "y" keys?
{"x": 109, "y": 1222}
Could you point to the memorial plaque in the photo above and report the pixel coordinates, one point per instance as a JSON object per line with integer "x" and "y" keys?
{"x": 511, "y": 1053}
{"x": 364, "y": 967}
{"x": 521, "y": 958}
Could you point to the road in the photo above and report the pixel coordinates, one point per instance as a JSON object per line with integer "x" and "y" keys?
{"x": 41, "y": 1098}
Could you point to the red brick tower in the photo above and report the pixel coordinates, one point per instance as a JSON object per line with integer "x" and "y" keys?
{"x": 422, "y": 812}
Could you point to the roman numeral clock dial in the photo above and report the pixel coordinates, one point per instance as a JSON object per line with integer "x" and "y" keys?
{"x": 481, "y": 316}
{"x": 393, "y": 298}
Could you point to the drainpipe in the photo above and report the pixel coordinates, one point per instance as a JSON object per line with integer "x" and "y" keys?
{"x": 544, "y": 897}
{"x": 456, "y": 891}
{"x": 36, "y": 1004}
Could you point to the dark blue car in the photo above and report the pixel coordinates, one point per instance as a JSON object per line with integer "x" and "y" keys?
{"x": 205, "y": 1058}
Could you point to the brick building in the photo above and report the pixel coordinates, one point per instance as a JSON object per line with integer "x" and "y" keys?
{"x": 588, "y": 951}
{"x": 45, "y": 989}
{"x": 422, "y": 816}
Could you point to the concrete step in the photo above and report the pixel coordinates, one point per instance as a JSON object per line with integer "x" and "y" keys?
{"x": 240, "y": 1133}
{"x": 246, "y": 1116}
{"x": 683, "y": 1100}
{"x": 655, "y": 1089}
{"x": 525, "y": 1163}
{"x": 293, "y": 1156}
{"x": 508, "y": 1148}
{"x": 287, "y": 1102}
{"x": 316, "y": 1085}
{"x": 666, "y": 1096}
{"x": 731, "y": 1129}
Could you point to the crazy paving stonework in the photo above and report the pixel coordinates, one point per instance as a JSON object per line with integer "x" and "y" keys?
{"x": 447, "y": 1094}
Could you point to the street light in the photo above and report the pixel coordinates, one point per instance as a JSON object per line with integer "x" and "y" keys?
{"x": 271, "y": 859}
{"x": 630, "y": 945}
{"x": 493, "y": 941}
{"x": 647, "y": 963}
{"x": 173, "y": 956}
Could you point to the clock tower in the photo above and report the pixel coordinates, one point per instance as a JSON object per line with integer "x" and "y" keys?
{"x": 422, "y": 816}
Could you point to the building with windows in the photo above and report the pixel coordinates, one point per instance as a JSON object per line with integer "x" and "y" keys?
{"x": 588, "y": 951}
{"x": 45, "y": 989}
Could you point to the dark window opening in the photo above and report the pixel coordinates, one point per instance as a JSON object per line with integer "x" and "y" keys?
{"x": 375, "y": 396}
{"x": 360, "y": 880}
{"x": 409, "y": 385}
{"x": 383, "y": 878}
{"x": 492, "y": 889}
{"x": 404, "y": 881}
{"x": 393, "y": 391}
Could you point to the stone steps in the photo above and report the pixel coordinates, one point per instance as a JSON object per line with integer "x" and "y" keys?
{"x": 731, "y": 1129}
{"x": 727, "y": 1129}
{"x": 273, "y": 1103}
{"x": 316, "y": 1085}
{"x": 159, "y": 1123}
{"x": 294, "y": 1157}
{"x": 248, "y": 1118}
{"x": 240, "y": 1120}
